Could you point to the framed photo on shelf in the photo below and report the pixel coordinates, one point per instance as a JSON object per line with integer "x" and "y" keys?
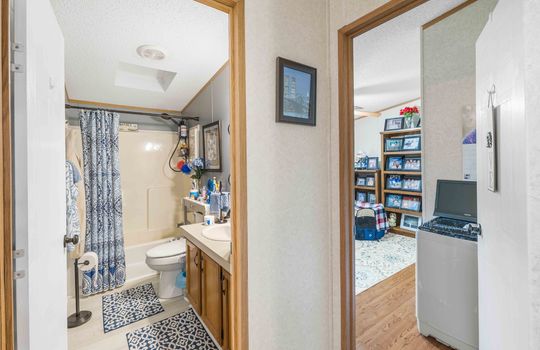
{"x": 394, "y": 163}
{"x": 412, "y": 184}
{"x": 362, "y": 163}
{"x": 412, "y": 164}
{"x": 410, "y": 222}
{"x": 371, "y": 198}
{"x": 361, "y": 196}
{"x": 411, "y": 203}
{"x": 360, "y": 181}
{"x": 296, "y": 95}
{"x": 393, "y": 144}
{"x": 370, "y": 181}
{"x": 393, "y": 201}
{"x": 412, "y": 143}
{"x": 393, "y": 182}
{"x": 373, "y": 163}
{"x": 392, "y": 124}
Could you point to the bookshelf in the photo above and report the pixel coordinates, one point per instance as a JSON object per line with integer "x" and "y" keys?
{"x": 411, "y": 174}
{"x": 376, "y": 189}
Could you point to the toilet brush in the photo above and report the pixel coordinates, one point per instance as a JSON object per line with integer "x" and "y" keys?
{"x": 79, "y": 317}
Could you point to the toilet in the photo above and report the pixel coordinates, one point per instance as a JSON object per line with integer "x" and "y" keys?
{"x": 169, "y": 260}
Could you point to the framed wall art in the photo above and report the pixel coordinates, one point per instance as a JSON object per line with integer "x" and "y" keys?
{"x": 212, "y": 146}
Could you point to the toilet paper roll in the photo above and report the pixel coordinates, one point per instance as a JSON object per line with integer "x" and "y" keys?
{"x": 92, "y": 259}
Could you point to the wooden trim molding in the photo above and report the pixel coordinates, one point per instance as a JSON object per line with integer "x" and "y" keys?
{"x": 115, "y": 106}
{"x": 386, "y": 12}
{"x": 448, "y": 14}
{"x": 6, "y": 267}
{"x": 205, "y": 86}
{"x": 239, "y": 258}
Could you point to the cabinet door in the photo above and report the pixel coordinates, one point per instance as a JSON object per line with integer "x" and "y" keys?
{"x": 225, "y": 309}
{"x": 193, "y": 282}
{"x": 211, "y": 296}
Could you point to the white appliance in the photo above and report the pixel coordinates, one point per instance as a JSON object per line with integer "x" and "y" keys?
{"x": 447, "y": 268}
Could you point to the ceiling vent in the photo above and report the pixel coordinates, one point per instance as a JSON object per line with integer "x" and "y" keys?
{"x": 143, "y": 78}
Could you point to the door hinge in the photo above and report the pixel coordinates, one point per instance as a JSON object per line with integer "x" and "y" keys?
{"x": 17, "y": 47}
{"x": 19, "y": 253}
{"x": 17, "y": 275}
{"x": 17, "y": 68}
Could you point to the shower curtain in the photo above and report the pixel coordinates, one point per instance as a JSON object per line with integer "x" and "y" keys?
{"x": 104, "y": 233}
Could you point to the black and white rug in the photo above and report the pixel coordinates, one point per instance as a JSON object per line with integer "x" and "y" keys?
{"x": 128, "y": 306}
{"x": 180, "y": 332}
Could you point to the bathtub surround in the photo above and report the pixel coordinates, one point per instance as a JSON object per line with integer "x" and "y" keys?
{"x": 104, "y": 230}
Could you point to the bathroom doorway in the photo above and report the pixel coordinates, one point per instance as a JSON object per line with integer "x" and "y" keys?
{"x": 233, "y": 10}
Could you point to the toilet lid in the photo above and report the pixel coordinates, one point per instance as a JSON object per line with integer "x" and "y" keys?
{"x": 173, "y": 248}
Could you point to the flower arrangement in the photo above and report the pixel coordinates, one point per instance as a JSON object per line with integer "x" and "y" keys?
{"x": 411, "y": 116}
{"x": 409, "y": 111}
{"x": 195, "y": 168}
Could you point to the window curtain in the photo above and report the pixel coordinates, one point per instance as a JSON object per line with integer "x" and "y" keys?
{"x": 104, "y": 232}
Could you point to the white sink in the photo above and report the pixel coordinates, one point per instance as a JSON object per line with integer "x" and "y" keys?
{"x": 218, "y": 232}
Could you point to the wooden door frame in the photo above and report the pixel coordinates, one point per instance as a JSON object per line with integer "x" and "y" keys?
{"x": 239, "y": 257}
{"x": 6, "y": 262}
{"x": 346, "y": 34}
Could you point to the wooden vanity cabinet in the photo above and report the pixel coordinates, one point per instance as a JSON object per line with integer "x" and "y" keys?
{"x": 207, "y": 290}
{"x": 193, "y": 278}
{"x": 211, "y": 296}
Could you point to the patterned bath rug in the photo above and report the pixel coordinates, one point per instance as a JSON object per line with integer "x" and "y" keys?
{"x": 128, "y": 306}
{"x": 378, "y": 260}
{"x": 180, "y": 332}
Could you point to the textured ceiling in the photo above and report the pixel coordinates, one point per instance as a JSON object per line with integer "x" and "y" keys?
{"x": 387, "y": 58}
{"x": 101, "y": 37}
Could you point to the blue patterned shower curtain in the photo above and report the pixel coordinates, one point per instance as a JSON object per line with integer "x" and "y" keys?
{"x": 104, "y": 233}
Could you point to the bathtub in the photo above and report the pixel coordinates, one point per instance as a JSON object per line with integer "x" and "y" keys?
{"x": 136, "y": 268}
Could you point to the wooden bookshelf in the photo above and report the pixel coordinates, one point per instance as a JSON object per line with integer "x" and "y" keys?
{"x": 403, "y": 173}
{"x": 369, "y": 189}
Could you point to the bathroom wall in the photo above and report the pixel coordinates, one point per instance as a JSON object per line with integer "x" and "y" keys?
{"x": 151, "y": 192}
{"x": 367, "y": 137}
{"x": 449, "y": 82}
{"x": 210, "y": 105}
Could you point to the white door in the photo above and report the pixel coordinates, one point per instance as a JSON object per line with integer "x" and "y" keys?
{"x": 39, "y": 156}
{"x": 502, "y": 248}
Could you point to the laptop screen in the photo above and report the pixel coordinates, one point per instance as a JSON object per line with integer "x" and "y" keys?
{"x": 456, "y": 200}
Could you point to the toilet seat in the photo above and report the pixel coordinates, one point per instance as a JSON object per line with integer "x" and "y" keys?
{"x": 170, "y": 249}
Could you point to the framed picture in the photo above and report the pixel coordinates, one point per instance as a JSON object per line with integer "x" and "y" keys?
{"x": 393, "y": 182}
{"x": 412, "y": 143}
{"x": 362, "y": 163}
{"x": 373, "y": 163}
{"x": 393, "y": 144}
{"x": 411, "y": 203}
{"x": 412, "y": 164}
{"x": 393, "y": 124}
{"x": 296, "y": 93}
{"x": 370, "y": 181}
{"x": 393, "y": 201}
{"x": 412, "y": 184}
{"x": 194, "y": 141}
{"x": 360, "y": 181}
{"x": 212, "y": 146}
{"x": 394, "y": 163}
{"x": 361, "y": 196}
{"x": 371, "y": 198}
{"x": 410, "y": 222}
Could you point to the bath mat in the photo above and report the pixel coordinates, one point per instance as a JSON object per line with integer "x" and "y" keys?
{"x": 128, "y": 306}
{"x": 182, "y": 332}
{"x": 378, "y": 260}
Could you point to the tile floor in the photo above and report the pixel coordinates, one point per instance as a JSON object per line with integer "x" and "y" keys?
{"x": 90, "y": 336}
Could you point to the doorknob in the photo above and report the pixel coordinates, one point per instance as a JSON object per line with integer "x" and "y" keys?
{"x": 74, "y": 240}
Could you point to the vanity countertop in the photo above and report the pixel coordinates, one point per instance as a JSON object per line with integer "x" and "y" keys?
{"x": 218, "y": 251}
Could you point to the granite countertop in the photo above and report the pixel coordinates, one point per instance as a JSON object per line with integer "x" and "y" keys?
{"x": 218, "y": 251}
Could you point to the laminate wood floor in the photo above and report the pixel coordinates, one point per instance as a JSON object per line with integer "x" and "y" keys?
{"x": 386, "y": 316}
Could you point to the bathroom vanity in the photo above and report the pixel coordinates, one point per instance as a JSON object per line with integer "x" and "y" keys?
{"x": 208, "y": 277}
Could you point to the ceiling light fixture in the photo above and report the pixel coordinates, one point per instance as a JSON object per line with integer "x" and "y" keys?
{"x": 151, "y": 52}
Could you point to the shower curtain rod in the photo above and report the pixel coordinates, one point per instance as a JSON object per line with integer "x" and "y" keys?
{"x": 159, "y": 115}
